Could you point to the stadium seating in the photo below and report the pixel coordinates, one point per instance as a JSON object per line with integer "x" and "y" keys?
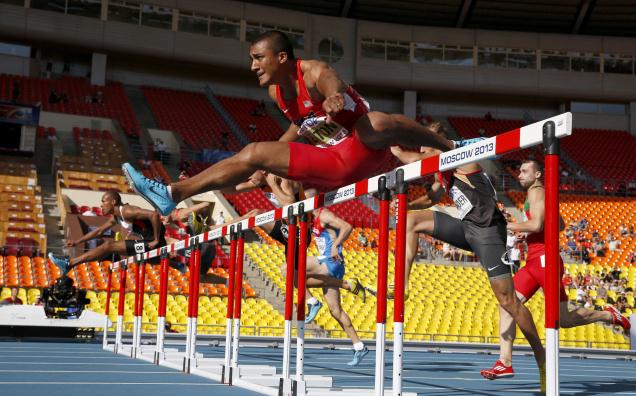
{"x": 191, "y": 115}
{"x": 603, "y": 213}
{"x": 241, "y": 110}
{"x": 36, "y": 90}
{"x": 447, "y": 303}
{"x": 604, "y": 154}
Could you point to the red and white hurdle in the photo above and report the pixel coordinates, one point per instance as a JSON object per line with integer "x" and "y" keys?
{"x": 547, "y": 132}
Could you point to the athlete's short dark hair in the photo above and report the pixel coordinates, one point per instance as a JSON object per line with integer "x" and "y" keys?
{"x": 278, "y": 42}
{"x": 114, "y": 195}
{"x": 538, "y": 167}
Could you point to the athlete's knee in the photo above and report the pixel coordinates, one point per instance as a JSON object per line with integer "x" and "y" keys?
{"x": 252, "y": 154}
{"x": 381, "y": 122}
{"x": 508, "y": 301}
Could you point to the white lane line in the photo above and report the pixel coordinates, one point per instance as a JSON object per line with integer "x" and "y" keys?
{"x": 91, "y": 371}
{"x": 72, "y": 363}
{"x": 108, "y": 383}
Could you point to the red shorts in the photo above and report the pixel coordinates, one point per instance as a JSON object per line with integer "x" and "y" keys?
{"x": 335, "y": 166}
{"x": 531, "y": 277}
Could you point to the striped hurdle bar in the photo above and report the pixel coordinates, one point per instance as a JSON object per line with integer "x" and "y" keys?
{"x": 546, "y": 131}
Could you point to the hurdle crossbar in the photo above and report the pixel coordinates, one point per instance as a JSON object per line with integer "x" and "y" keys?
{"x": 516, "y": 139}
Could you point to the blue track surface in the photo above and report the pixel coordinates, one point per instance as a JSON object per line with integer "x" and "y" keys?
{"x": 84, "y": 369}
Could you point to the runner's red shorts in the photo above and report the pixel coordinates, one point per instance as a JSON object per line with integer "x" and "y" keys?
{"x": 336, "y": 166}
{"x": 531, "y": 277}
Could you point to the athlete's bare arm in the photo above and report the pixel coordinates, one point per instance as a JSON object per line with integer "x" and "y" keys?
{"x": 132, "y": 213}
{"x": 433, "y": 196}
{"x": 327, "y": 83}
{"x": 329, "y": 219}
{"x": 99, "y": 231}
{"x": 536, "y": 199}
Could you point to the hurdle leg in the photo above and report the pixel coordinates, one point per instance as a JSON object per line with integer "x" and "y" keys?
{"x": 383, "y": 260}
{"x": 107, "y": 308}
{"x": 238, "y": 289}
{"x": 161, "y": 310}
{"x": 120, "y": 307}
{"x": 285, "y": 384}
{"x": 398, "y": 306}
{"x": 226, "y": 373}
{"x": 552, "y": 272}
{"x": 193, "y": 309}
{"x": 299, "y": 384}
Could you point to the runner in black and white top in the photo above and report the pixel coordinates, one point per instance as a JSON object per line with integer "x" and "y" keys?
{"x": 142, "y": 231}
{"x": 480, "y": 227}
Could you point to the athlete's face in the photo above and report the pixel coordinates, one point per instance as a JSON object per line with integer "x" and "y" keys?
{"x": 528, "y": 175}
{"x": 266, "y": 62}
{"x": 108, "y": 205}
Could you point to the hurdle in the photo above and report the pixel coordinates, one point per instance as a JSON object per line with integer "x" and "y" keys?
{"x": 547, "y": 131}
{"x": 109, "y": 283}
{"x": 226, "y": 376}
{"x": 193, "y": 307}
{"x": 161, "y": 309}
{"x": 140, "y": 281}
{"x": 383, "y": 266}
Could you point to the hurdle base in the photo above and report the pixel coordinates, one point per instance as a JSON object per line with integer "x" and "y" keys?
{"x": 226, "y": 374}
{"x": 284, "y": 387}
{"x": 299, "y": 388}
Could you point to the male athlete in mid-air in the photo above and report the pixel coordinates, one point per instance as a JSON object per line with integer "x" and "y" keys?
{"x": 347, "y": 141}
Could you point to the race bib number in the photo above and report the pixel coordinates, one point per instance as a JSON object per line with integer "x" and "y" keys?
{"x": 140, "y": 247}
{"x": 461, "y": 202}
{"x": 321, "y": 134}
{"x": 321, "y": 245}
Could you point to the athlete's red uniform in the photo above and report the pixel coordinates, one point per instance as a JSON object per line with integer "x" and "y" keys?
{"x": 532, "y": 275}
{"x": 335, "y": 155}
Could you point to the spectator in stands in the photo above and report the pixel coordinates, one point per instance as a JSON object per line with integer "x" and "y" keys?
{"x": 99, "y": 97}
{"x": 63, "y": 97}
{"x": 613, "y": 243}
{"x": 225, "y": 140}
{"x": 481, "y": 131}
{"x": 488, "y": 116}
{"x": 362, "y": 239}
{"x": 632, "y": 232}
{"x": 616, "y": 273}
{"x": 13, "y": 299}
{"x": 15, "y": 93}
{"x": 219, "y": 219}
{"x": 622, "y": 230}
{"x": 259, "y": 109}
{"x": 53, "y": 97}
{"x": 252, "y": 127}
{"x": 583, "y": 224}
{"x": 183, "y": 175}
{"x": 527, "y": 118}
{"x": 571, "y": 246}
{"x": 89, "y": 212}
{"x": 168, "y": 327}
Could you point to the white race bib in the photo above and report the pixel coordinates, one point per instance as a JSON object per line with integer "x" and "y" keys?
{"x": 321, "y": 245}
{"x": 140, "y": 247}
{"x": 320, "y": 134}
{"x": 461, "y": 202}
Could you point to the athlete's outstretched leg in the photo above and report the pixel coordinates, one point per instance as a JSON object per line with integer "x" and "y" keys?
{"x": 273, "y": 157}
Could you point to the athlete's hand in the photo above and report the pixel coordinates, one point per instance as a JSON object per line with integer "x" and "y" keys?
{"x": 70, "y": 243}
{"x": 153, "y": 244}
{"x": 335, "y": 255}
{"x": 332, "y": 105}
{"x": 520, "y": 236}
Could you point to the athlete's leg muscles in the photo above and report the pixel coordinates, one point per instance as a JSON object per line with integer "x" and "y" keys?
{"x": 503, "y": 288}
{"x": 270, "y": 156}
{"x": 101, "y": 251}
{"x": 332, "y": 296}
